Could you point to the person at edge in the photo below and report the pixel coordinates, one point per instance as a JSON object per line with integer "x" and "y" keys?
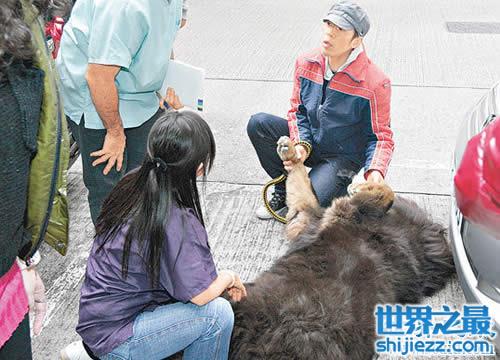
{"x": 30, "y": 148}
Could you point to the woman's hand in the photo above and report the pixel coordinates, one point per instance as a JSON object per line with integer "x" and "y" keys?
{"x": 171, "y": 99}
{"x": 237, "y": 290}
{"x": 35, "y": 290}
{"x": 226, "y": 280}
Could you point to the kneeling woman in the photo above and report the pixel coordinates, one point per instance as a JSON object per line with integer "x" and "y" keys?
{"x": 151, "y": 288}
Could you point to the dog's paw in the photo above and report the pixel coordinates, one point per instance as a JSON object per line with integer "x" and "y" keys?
{"x": 371, "y": 187}
{"x": 372, "y": 196}
{"x": 286, "y": 149}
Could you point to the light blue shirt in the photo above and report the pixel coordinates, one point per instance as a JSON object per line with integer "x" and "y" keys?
{"x": 134, "y": 34}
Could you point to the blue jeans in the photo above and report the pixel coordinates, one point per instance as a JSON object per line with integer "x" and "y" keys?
{"x": 203, "y": 332}
{"x": 329, "y": 176}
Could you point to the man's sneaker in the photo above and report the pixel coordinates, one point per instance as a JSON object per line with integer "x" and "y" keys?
{"x": 277, "y": 203}
{"x": 74, "y": 351}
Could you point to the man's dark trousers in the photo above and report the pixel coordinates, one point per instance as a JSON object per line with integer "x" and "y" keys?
{"x": 329, "y": 176}
{"x": 90, "y": 140}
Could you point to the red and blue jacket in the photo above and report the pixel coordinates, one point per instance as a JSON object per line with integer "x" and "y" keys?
{"x": 351, "y": 117}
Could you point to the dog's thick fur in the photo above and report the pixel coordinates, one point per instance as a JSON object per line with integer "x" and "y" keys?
{"x": 318, "y": 300}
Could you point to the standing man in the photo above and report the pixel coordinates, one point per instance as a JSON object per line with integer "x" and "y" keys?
{"x": 112, "y": 61}
{"x": 339, "y": 117}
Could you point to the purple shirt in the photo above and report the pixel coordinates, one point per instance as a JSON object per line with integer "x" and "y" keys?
{"x": 109, "y": 304}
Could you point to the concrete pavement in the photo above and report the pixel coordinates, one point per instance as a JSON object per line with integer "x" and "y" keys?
{"x": 248, "y": 50}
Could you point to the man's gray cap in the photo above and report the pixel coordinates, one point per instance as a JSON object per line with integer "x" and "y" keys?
{"x": 349, "y": 16}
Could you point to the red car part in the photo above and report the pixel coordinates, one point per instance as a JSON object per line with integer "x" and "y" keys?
{"x": 477, "y": 181}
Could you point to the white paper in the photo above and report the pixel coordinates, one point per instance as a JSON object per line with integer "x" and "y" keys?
{"x": 187, "y": 81}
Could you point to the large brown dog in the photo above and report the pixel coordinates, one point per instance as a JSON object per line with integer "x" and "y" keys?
{"x": 317, "y": 301}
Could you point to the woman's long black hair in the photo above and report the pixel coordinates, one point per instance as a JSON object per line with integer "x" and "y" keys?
{"x": 178, "y": 143}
